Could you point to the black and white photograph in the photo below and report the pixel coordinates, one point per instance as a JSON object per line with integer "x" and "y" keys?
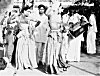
{"x": 49, "y": 37}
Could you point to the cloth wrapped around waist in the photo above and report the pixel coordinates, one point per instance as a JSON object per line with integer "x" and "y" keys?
{"x": 56, "y": 35}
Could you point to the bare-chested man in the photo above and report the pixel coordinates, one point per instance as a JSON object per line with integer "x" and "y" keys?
{"x": 53, "y": 44}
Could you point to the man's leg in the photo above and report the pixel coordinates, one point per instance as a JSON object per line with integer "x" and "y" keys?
{"x": 38, "y": 56}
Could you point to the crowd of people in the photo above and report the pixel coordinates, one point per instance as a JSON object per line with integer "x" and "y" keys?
{"x": 44, "y": 37}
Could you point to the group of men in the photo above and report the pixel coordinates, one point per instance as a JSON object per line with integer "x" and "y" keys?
{"x": 55, "y": 45}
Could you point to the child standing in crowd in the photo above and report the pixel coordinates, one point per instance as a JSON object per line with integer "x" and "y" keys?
{"x": 42, "y": 32}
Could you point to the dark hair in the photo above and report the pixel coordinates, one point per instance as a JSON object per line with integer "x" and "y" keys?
{"x": 9, "y": 13}
{"x": 16, "y": 6}
{"x": 41, "y": 5}
{"x": 92, "y": 10}
{"x": 25, "y": 8}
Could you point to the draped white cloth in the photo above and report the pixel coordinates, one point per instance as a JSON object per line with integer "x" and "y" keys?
{"x": 75, "y": 49}
{"x": 91, "y": 36}
{"x": 51, "y": 51}
{"x": 25, "y": 51}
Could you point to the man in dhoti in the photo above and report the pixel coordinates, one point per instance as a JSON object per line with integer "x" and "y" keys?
{"x": 75, "y": 43}
{"x": 91, "y": 35}
{"x": 53, "y": 45}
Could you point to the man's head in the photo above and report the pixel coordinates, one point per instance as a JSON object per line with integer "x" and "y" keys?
{"x": 92, "y": 10}
{"x": 42, "y": 9}
{"x": 16, "y": 10}
{"x": 26, "y": 11}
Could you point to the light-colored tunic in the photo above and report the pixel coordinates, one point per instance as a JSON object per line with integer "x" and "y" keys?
{"x": 42, "y": 29}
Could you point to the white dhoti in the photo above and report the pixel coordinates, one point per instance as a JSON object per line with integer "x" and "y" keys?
{"x": 64, "y": 47}
{"x": 75, "y": 49}
{"x": 50, "y": 55}
{"x": 91, "y": 43}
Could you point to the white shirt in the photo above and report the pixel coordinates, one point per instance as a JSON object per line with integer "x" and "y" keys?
{"x": 75, "y": 18}
{"x": 92, "y": 21}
